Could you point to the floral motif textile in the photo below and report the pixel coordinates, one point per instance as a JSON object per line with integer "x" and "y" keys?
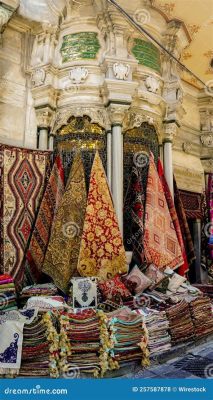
{"x": 142, "y": 281}
{"x": 22, "y": 179}
{"x": 134, "y": 206}
{"x": 114, "y": 289}
{"x": 102, "y": 253}
{"x": 186, "y": 234}
{"x": 170, "y": 202}
{"x": 11, "y": 334}
{"x": 210, "y": 199}
{"x": 63, "y": 249}
{"x": 41, "y": 232}
{"x": 160, "y": 240}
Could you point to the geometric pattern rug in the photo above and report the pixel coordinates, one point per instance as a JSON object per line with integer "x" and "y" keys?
{"x": 22, "y": 178}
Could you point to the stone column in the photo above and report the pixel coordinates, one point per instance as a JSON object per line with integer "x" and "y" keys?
{"x": 117, "y": 113}
{"x": 109, "y": 158}
{"x": 43, "y": 139}
{"x": 169, "y": 133}
{"x": 197, "y": 247}
{"x": 51, "y": 142}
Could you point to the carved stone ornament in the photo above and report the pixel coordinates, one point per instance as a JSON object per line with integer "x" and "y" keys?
{"x": 4, "y": 16}
{"x": 44, "y": 117}
{"x": 207, "y": 139}
{"x": 152, "y": 84}
{"x": 38, "y": 77}
{"x": 97, "y": 115}
{"x": 78, "y": 75}
{"x": 121, "y": 71}
{"x": 187, "y": 147}
{"x": 134, "y": 120}
{"x": 170, "y": 130}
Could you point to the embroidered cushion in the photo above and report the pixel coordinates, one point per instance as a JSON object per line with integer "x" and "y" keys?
{"x": 114, "y": 289}
{"x": 155, "y": 275}
{"x": 142, "y": 281}
{"x": 175, "y": 282}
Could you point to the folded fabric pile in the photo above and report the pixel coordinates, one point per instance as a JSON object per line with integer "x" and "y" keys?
{"x": 206, "y": 289}
{"x": 129, "y": 336}
{"x": 7, "y": 293}
{"x": 44, "y": 289}
{"x": 83, "y": 335}
{"x": 157, "y": 325}
{"x": 181, "y": 327}
{"x": 202, "y": 317}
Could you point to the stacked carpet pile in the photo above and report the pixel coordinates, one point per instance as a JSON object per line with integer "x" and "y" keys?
{"x": 157, "y": 325}
{"x": 129, "y": 336}
{"x": 40, "y": 352}
{"x": 44, "y": 289}
{"x": 83, "y": 337}
{"x": 181, "y": 327}
{"x": 202, "y": 317}
{"x": 7, "y": 293}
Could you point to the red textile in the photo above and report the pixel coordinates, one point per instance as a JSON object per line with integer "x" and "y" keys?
{"x": 185, "y": 267}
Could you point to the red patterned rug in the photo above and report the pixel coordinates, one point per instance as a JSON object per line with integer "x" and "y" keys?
{"x": 41, "y": 232}
{"x": 22, "y": 179}
{"x": 160, "y": 240}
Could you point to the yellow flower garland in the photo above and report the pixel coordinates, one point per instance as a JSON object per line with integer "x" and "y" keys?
{"x": 53, "y": 339}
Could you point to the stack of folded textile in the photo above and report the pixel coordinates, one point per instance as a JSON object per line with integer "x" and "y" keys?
{"x": 35, "y": 350}
{"x": 206, "y": 289}
{"x": 44, "y": 289}
{"x": 83, "y": 333}
{"x": 130, "y": 337}
{"x": 157, "y": 325}
{"x": 7, "y": 293}
{"x": 181, "y": 327}
{"x": 202, "y": 317}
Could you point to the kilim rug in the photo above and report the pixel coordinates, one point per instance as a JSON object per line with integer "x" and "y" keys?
{"x": 102, "y": 253}
{"x": 210, "y": 201}
{"x": 61, "y": 258}
{"x": 22, "y": 179}
{"x": 134, "y": 206}
{"x": 170, "y": 202}
{"x": 186, "y": 234}
{"x": 41, "y": 232}
{"x": 160, "y": 240}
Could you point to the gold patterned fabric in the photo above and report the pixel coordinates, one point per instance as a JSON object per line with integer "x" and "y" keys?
{"x": 62, "y": 254}
{"x": 102, "y": 253}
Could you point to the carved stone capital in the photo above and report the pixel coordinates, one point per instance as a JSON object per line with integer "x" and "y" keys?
{"x": 134, "y": 120}
{"x": 117, "y": 113}
{"x": 38, "y": 77}
{"x": 207, "y": 139}
{"x": 208, "y": 165}
{"x": 170, "y": 131}
{"x": 44, "y": 117}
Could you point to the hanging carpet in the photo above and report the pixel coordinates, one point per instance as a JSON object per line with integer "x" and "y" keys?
{"x": 102, "y": 253}
{"x": 63, "y": 249}
{"x": 22, "y": 179}
{"x": 160, "y": 240}
{"x": 210, "y": 225}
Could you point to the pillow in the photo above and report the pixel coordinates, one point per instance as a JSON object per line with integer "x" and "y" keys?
{"x": 141, "y": 280}
{"x": 155, "y": 275}
{"x": 114, "y": 289}
{"x": 175, "y": 282}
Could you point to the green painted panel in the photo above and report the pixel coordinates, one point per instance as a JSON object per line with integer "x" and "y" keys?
{"x": 77, "y": 46}
{"x": 147, "y": 54}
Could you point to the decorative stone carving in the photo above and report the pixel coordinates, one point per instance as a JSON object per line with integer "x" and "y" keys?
{"x": 38, "y": 77}
{"x": 207, "y": 139}
{"x": 121, "y": 71}
{"x": 134, "y": 119}
{"x": 78, "y": 75}
{"x": 44, "y": 117}
{"x": 170, "y": 131}
{"x": 117, "y": 113}
{"x": 208, "y": 165}
{"x": 152, "y": 84}
{"x": 97, "y": 115}
{"x": 187, "y": 147}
